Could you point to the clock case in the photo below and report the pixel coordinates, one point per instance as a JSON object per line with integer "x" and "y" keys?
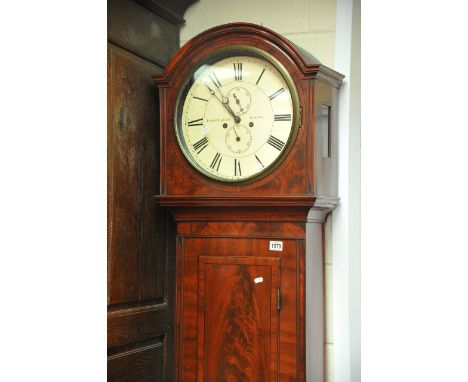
{"x": 231, "y": 225}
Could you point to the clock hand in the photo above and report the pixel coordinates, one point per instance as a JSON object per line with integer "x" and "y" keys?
{"x": 225, "y": 99}
{"x": 237, "y": 101}
{"x": 225, "y": 102}
{"x": 236, "y": 117}
{"x": 235, "y": 132}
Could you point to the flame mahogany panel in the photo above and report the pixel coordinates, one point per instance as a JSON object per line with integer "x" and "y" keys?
{"x": 238, "y": 319}
{"x": 217, "y": 286}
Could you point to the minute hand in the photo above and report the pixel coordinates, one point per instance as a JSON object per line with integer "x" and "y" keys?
{"x": 228, "y": 108}
{"x": 225, "y": 102}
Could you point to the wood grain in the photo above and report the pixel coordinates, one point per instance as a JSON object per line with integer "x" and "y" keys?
{"x": 246, "y": 229}
{"x": 196, "y": 251}
{"x": 237, "y": 322}
{"x": 141, "y": 235}
{"x": 290, "y": 178}
{"x": 143, "y": 32}
{"x": 134, "y": 325}
{"x": 125, "y": 171}
{"x": 144, "y": 364}
{"x": 136, "y": 222}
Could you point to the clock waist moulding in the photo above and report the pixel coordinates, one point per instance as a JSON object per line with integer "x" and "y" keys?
{"x": 249, "y": 253}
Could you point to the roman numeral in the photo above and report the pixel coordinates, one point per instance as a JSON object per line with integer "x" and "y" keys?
{"x": 195, "y": 122}
{"x": 282, "y": 117}
{"x": 276, "y": 143}
{"x": 259, "y": 161}
{"x": 238, "y": 71}
{"x": 216, "y": 161}
{"x": 201, "y": 99}
{"x": 201, "y": 144}
{"x": 276, "y": 93}
{"x": 261, "y": 74}
{"x": 215, "y": 80}
{"x": 237, "y": 167}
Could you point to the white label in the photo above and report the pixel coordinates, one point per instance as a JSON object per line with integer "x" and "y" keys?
{"x": 276, "y": 245}
{"x": 258, "y": 280}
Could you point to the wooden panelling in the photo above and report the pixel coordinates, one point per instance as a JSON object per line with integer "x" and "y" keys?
{"x": 247, "y": 229}
{"x": 194, "y": 252}
{"x": 169, "y": 10}
{"x": 143, "y": 364}
{"x": 238, "y": 320}
{"x": 123, "y": 225}
{"x": 141, "y": 234}
{"x": 136, "y": 225}
{"x": 136, "y": 28}
{"x": 241, "y": 213}
{"x": 239, "y": 247}
{"x": 133, "y": 325}
{"x": 326, "y": 168}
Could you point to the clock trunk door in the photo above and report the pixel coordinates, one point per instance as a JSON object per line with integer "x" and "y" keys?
{"x": 238, "y": 319}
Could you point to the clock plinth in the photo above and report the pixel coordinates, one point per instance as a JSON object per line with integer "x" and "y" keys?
{"x": 247, "y": 245}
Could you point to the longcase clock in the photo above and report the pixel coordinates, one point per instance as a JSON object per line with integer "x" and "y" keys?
{"x": 249, "y": 172}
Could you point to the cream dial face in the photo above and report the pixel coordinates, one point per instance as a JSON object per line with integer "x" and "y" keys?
{"x": 236, "y": 118}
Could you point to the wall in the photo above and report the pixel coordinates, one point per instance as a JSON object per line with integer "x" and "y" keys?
{"x": 346, "y": 218}
{"x": 307, "y": 23}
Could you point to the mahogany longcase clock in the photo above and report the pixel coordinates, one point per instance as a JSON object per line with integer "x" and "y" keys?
{"x": 249, "y": 171}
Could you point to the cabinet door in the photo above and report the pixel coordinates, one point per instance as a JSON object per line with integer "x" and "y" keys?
{"x": 238, "y": 319}
{"x": 140, "y": 278}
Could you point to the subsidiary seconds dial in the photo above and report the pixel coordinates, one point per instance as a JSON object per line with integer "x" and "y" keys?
{"x": 236, "y": 118}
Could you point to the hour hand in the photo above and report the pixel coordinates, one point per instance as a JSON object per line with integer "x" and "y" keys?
{"x": 236, "y": 117}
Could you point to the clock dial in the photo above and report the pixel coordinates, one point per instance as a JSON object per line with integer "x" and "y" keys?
{"x": 235, "y": 119}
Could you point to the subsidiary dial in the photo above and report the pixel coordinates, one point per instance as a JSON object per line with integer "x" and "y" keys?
{"x": 240, "y": 99}
{"x": 238, "y": 139}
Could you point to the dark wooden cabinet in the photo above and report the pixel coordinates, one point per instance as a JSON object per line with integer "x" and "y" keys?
{"x": 246, "y": 311}
{"x": 141, "y": 234}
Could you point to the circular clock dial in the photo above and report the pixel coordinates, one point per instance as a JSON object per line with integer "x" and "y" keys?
{"x": 236, "y": 118}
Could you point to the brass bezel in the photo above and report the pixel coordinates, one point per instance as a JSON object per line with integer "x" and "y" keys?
{"x": 239, "y": 50}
